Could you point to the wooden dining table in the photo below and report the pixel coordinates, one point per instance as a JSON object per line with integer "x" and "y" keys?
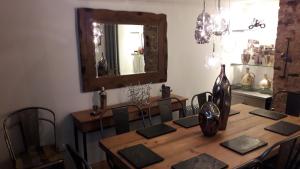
{"x": 186, "y": 143}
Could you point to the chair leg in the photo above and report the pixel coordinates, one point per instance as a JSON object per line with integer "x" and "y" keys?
{"x": 110, "y": 161}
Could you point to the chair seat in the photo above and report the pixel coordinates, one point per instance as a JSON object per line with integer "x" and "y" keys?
{"x": 41, "y": 157}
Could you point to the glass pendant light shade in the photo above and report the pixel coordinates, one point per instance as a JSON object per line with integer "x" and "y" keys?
{"x": 204, "y": 27}
{"x": 220, "y": 22}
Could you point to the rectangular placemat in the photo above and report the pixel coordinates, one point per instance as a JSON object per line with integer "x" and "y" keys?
{"x": 155, "y": 131}
{"x": 188, "y": 122}
{"x": 233, "y": 112}
{"x": 140, "y": 156}
{"x": 244, "y": 144}
{"x": 284, "y": 128}
{"x": 203, "y": 161}
{"x": 268, "y": 114}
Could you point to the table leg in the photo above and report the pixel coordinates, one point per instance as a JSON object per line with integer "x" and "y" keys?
{"x": 84, "y": 146}
{"x": 76, "y": 138}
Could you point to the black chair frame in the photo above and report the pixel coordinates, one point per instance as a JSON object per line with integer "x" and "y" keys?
{"x": 165, "y": 99}
{"x": 291, "y": 157}
{"x": 6, "y": 127}
{"x": 77, "y": 159}
{"x": 288, "y": 94}
{"x": 108, "y": 157}
{"x": 199, "y": 96}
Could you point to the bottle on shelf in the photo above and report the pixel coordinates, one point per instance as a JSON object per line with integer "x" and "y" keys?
{"x": 265, "y": 83}
{"x": 103, "y": 98}
{"x": 247, "y": 80}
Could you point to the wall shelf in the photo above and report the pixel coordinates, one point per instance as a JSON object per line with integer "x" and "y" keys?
{"x": 240, "y": 64}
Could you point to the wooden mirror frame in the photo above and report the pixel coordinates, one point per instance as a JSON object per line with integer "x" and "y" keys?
{"x": 89, "y": 81}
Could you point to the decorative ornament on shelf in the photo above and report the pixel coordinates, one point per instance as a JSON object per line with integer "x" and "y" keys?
{"x": 220, "y": 21}
{"x": 204, "y": 27}
{"x": 245, "y": 57}
{"x": 265, "y": 83}
{"x": 257, "y": 23}
{"x": 247, "y": 80}
{"x": 139, "y": 94}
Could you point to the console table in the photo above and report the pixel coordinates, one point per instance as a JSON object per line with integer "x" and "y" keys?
{"x": 85, "y": 122}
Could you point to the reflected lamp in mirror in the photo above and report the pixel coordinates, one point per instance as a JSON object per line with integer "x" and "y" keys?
{"x": 120, "y": 48}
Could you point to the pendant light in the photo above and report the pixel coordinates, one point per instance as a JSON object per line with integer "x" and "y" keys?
{"x": 212, "y": 60}
{"x": 204, "y": 27}
{"x": 220, "y": 21}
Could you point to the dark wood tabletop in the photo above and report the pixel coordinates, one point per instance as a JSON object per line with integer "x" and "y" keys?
{"x": 187, "y": 143}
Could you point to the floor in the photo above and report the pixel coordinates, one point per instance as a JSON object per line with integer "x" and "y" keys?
{"x": 100, "y": 165}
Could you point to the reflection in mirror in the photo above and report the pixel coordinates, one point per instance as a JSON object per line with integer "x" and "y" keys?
{"x": 123, "y": 49}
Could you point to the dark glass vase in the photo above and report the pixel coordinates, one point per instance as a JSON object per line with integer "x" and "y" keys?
{"x": 222, "y": 97}
{"x": 209, "y": 115}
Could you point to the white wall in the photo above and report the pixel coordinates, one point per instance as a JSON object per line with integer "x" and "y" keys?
{"x": 39, "y": 57}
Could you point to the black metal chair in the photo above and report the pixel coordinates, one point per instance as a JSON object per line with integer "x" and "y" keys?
{"x": 76, "y": 159}
{"x": 165, "y": 109}
{"x": 292, "y": 102}
{"x": 23, "y": 134}
{"x": 201, "y": 98}
{"x": 121, "y": 118}
{"x": 122, "y": 125}
{"x": 288, "y": 156}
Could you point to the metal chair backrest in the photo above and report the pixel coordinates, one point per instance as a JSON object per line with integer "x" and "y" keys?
{"x": 121, "y": 118}
{"x": 289, "y": 153}
{"x": 25, "y": 124}
{"x": 77, "y": 160}
{"x": 165, "y": 108}
{"x": 201, "y": 98}
{"x": 292, "y": 102}
{"x": 288, "y": 156}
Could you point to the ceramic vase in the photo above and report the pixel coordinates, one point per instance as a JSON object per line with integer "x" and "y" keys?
{"x": 222, "y": 97}
{"x": 265, "y": 83}
{"x": 245, "y": 57}
{"x": 247, "y": 80}
{"x": 209, "y": 115}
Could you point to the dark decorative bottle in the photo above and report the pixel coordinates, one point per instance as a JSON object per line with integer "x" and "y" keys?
{"x": 103, "y": 98}
{"x": 209, "y": 116}
{"x": 222, "y": 97}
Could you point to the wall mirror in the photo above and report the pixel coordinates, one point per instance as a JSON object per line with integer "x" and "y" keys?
{"x": 121, "y": 48}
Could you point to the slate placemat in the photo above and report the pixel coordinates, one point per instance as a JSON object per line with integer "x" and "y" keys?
{"x": 140, "y": 156}
{"x": 203, "y": 161}
{"x": 284, "y": 128}
{"x": 268, "y": 114}
{"x": 155, "y": 131}
{"x": 244, "y": 144}
{"x": 233, "y": 112}
{"x": 188, "y": 122}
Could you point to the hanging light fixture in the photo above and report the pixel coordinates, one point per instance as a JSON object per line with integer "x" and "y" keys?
{"x": 212, "y": 60}
{"x": 204, "y": 27}
{"x": 220, "y": 21}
